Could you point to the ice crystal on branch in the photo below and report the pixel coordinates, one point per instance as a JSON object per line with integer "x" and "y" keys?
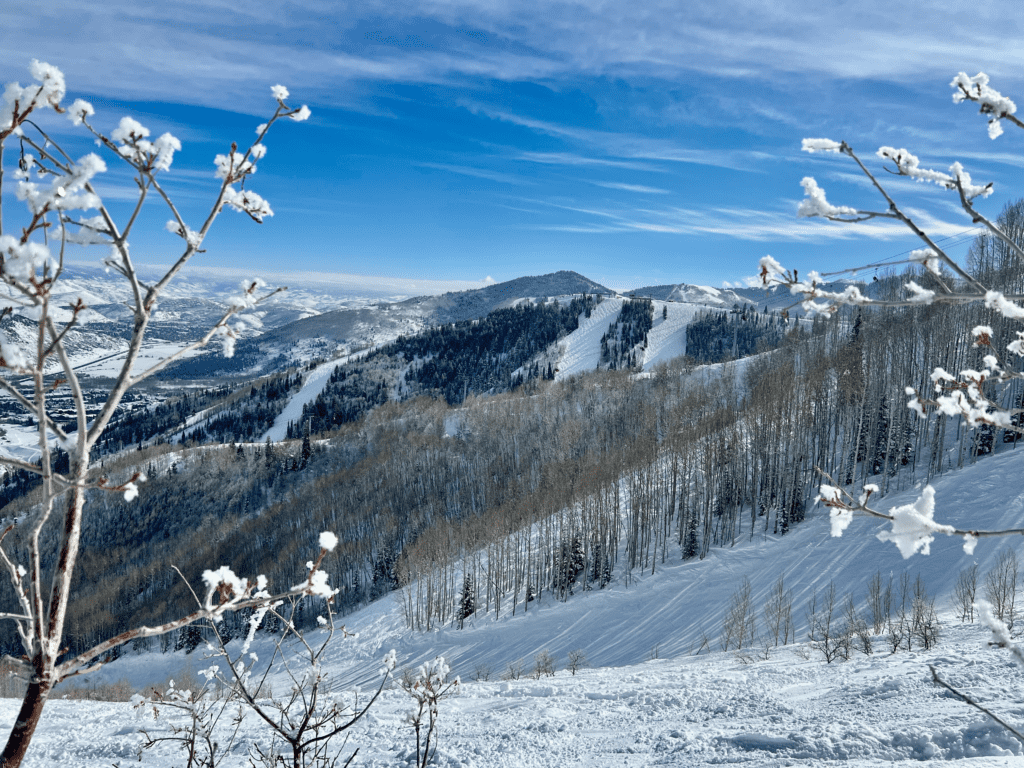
{"x": 991, "y": 102}
{"x": 815, "y": 204}
{"x": 913, "y": 526}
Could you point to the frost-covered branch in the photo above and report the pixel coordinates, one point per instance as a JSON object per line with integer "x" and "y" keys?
{"x": 913, "y": 525}
{"x": 990, "y": 101}
{"x": 309, "y": 715}
{"x": 968, "y": 700}
{"x": 53, "y": 186}
{"x": 225, "y": 593}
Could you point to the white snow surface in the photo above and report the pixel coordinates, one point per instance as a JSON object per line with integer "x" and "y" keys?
{"x": 314, "y": 384}
{"x": 689, "y": 711}
{"x": 580, "y": 351}
{"x": 682, "y": 708}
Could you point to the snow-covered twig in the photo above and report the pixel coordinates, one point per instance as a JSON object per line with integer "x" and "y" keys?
{"x": 53, "y": 185}
{"x": 968, "y": 700}
{"x": 913, "y": 524}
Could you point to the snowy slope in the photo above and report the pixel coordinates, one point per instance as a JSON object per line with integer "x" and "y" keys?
{"x": 311, "y": 388}
{"x": 580, "y": 351}
{"x": 667, "y": 339}
{"x": 692, "y": 705}
{"x": 692, "y": 711}
{"x": 673, "y": 609}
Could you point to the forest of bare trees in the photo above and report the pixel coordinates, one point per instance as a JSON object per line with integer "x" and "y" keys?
{"x": 550, "y": 489}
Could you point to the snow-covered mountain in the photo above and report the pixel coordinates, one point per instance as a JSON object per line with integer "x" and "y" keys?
{"x": 351, "y": 329}
{"x": 693, "y": 294}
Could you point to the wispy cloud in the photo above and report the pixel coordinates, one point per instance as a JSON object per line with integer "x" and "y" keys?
{"x": 479, "y": 173}
{"x": 744, "y": 224}
{"x": 640, "y": 188}
{"x": 569, "y": 158}
{"x": 633, "y": 147}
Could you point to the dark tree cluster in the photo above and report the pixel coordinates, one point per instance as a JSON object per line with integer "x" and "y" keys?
{"x": 451, "y": 361}
{"x": 628, "y": 335}
{"x": 351, "y": 392}
{"x": 715, "y": 336}
{"x": 480, "y": 356}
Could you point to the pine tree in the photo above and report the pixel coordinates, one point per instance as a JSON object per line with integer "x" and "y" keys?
{"x": 307, "y": 449}
{"x": 690, "y": 543}
{"x": 467, "y": 603}
{"x": 606, "y": 571}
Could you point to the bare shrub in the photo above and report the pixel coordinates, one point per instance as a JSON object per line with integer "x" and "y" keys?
{"x": 482, "y": 673}
{"x": 857, "y": 628}
{"x": 544, "y": 665}
{"x": 924, "y": 624}
{"x": 827, "y": 633}
{"x": 1001, "y": 587}
{"x": 122, "y": 690}
{"x": 778, "y": 614}
{"x": 577, "y": 659}
{"x": 514, "y": 670}
{"x": 739, "y": 627}
{"x": 879, "y": 601}
{"x": 965, "y": 592}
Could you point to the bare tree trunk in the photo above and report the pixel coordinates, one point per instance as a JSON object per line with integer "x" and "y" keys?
{"x": 28, "y": 718}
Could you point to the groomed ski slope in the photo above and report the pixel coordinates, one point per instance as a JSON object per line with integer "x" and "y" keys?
{"x": 314, "y": 383}
{"x": 580, "y": 351}
{"x": 577, "y": 353}
{"x": 630, "y": 709}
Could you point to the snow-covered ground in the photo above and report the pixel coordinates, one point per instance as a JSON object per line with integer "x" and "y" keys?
{"x": 580, "y": 351}
{"x": 653, "y": 695}
{"x": 702, "y": 710}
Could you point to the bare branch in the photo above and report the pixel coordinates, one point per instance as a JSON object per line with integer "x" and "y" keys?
{"x": 968, "y": 700}
{"x": 206, "y": 339}
{"x": 855, "y": 505}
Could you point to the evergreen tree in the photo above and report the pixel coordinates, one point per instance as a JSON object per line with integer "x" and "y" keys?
{"x": 307, "y": 449}
{"x": 691, "y": 546}
{"x": 467, "y": 602}
{"x": 188, "y": 639}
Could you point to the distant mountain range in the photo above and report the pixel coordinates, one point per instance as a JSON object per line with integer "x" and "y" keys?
{"x": 340, "y": 316}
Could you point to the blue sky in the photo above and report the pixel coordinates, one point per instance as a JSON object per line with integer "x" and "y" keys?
{"x": 637, "y": 143}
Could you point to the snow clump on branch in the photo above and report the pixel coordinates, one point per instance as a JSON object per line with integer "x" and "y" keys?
{"x": 913, "y": 525}
{"x": 992, "y": 102}
{"x": 815, "y": 203}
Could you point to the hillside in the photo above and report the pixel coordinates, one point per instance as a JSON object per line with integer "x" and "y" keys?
{"x": 670, "y": 612}
{"x": 651, "y": 694}
{"x": 352, "y": 329}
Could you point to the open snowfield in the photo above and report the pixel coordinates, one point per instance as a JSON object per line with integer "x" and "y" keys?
{"x": 689, "y": 711}
{"x": 690, "y": 706}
